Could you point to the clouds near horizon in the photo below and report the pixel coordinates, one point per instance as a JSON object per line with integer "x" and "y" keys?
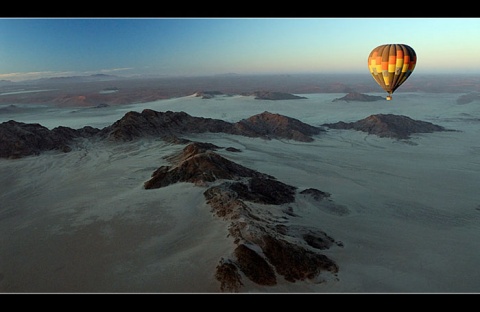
{"x": 44, "y": 47}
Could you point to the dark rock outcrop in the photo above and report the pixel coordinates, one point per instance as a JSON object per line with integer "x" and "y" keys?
{"x": 265, "y": 246}
{"x": 168, "y": 126}
{"x": 288, "y": 251}
{"x": 70, "y": 134}
{"x": 18, "y": 139}
{"x": 269, "y": 125}
{"x": 359, "y": 97}
{"x": 192, "y": 149}
{"x": 316, "y": 194}
{"x": 152, "y": 123}
{"x": 388, "y": 125}
{"x": 255, "y": 267}
{"x": 274, "y": 96}
{"x": 199, "y": 168}
{"x": 207, "y": 94}
{"x": 233, "y": 149}
{"x": 259, "y": 95}
{"x": 228, "y": 273}
{"x": 11, "y": 109}
{"x": 101, "y": 105}
{"x": 468, "y": 98}
{"x": 264, "y": 190}
{"x": 293, "y": 261}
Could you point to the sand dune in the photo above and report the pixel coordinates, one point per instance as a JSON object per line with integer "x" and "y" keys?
{"x": 407, "y": 213}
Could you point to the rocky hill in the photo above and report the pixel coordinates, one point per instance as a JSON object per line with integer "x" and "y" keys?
{"x": 359, "y": 97}
{"x": 153, "y": 123}
{"x": 19, "y": 139}
{"x": 274, "y": 96}
{"x": 257, "y": 206}
{"x": 208, "y": 94}
{"x": 11, "y": 109}
{"x": 388, "y": 125}
{"x": 268, "y": 125}
{"x": 468, "y": 98}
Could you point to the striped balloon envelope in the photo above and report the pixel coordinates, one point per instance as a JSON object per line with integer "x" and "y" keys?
{"x": 391, "y": 64}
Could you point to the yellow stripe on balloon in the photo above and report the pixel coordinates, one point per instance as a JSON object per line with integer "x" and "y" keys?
{"x": 386, "y": 80}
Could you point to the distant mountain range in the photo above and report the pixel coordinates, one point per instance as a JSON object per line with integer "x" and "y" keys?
{"x": 62, "y": 79}
{"x": 81, "y": 91}
{"x": 90, "y": 78}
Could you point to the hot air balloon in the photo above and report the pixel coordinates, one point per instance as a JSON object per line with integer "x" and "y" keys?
{"x": 391, "y": 64}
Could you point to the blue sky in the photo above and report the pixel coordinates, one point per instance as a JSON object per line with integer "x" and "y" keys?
{"x": 39, "y": 47}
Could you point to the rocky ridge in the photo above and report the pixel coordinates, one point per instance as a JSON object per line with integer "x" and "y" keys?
{"x": 359, "y": 97}
{"x": 258, "y": 207}
{"x": 388, "y": 125}
{"x": 274, "y": 96}
{"x": 153, "y": 123}
{"x": 468, "y": 98}
{"x": 19, "y": 139}
{"x": 259, "y": 95}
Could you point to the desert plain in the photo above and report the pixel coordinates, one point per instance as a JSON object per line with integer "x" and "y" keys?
{"x": 406, "y": 214}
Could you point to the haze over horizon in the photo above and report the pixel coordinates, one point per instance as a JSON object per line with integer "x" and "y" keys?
{"x": 32, "y": 48}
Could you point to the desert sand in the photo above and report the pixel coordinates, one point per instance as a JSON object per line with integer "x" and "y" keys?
{"x": 83, "y": 222}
